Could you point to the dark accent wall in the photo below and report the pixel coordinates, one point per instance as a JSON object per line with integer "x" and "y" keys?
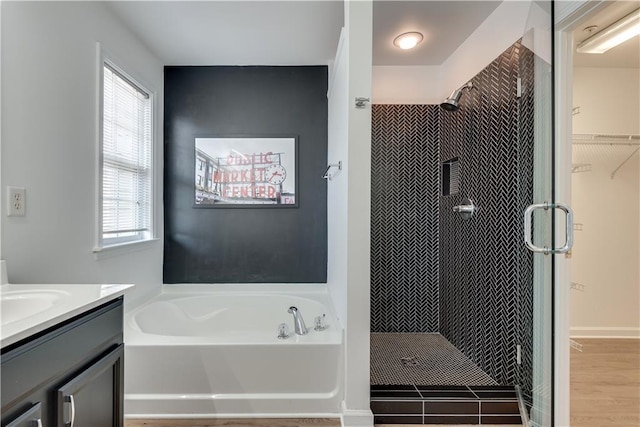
{"x": 248, "y": 245}
{"x": 483, "y": 301}
{"x": 404, "y": 218}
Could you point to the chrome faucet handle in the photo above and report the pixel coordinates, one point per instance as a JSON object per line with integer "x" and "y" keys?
{"x": 283, "y": 331}
{"x": 320, "y": 324}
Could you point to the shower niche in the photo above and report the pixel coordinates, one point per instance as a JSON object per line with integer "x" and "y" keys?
{"x": 450, "y": 177}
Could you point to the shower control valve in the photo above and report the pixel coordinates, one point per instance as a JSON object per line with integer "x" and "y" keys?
{"x": 466, "y": 209}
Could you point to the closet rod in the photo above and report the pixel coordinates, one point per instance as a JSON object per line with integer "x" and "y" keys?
{"x": 606, "y": 139}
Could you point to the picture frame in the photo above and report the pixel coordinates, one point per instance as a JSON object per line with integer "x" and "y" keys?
{"x": 246, "y": 172}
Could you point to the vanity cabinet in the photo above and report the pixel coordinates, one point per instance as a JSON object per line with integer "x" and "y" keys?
{"x": 70, "y": 375}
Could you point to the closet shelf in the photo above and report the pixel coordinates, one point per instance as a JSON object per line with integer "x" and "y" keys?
{"x": 617, "y": 142}
{"x": 577, "y": 286}
{"x": 581, "y": 167}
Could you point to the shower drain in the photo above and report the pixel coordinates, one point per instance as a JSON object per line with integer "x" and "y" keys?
{"x": 410, "y": 361}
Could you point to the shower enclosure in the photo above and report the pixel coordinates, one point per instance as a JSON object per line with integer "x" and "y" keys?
{"x": 460, "y": 305}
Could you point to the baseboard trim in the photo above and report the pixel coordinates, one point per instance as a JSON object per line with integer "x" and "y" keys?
{"x": 356, "y": 418}
{"x": 605, "y": 332}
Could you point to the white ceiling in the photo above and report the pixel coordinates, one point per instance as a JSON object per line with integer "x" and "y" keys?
{"x": 236, "y": 32}
{"x": 444, "y": 24}
{"x": 626, "y": 55}
{"x": 274, "y": 32}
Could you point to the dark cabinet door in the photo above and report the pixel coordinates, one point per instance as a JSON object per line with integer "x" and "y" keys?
{"x": 94, "y": 397}
{"x": 32, "y": 417}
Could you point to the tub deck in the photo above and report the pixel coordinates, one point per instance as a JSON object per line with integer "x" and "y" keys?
{"x": 194, "y": 353}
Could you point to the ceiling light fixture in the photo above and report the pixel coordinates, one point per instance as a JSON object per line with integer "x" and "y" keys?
{"x": 408, "y": 40}
{"x": 613, "y": 35}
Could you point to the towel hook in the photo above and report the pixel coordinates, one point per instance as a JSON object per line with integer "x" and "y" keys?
{"x": 327, "y": 175}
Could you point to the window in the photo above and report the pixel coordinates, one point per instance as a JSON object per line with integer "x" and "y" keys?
{"x": 126, "y": 160}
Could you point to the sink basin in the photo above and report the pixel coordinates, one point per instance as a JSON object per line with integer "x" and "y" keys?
{"x": 18, "y": 305}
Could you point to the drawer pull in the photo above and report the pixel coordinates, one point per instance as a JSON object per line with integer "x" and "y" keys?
{"x": 72, "y": 410}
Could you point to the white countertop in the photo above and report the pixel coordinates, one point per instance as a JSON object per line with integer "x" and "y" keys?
{"x": 56, "y": 304}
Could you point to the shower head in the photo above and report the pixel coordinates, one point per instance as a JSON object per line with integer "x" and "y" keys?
{"x": 452, "y": 103}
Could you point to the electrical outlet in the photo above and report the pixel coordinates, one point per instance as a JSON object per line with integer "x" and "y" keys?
{"x": 16, "y": 201}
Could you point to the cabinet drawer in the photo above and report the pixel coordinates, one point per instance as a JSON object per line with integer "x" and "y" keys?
{"x": 56, "y": 353}
{"x": 30, "y": 418}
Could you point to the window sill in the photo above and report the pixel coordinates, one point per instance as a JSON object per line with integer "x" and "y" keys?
{"x": 122, "y": 248}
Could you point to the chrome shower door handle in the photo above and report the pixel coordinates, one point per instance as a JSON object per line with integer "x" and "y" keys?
{"x": 568, "y": 231}
{"x": 528, "y": 219}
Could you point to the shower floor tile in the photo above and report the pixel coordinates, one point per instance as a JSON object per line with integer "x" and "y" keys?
{"x": 422, "y": 360}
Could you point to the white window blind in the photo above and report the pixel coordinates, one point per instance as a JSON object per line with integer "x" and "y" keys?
{"x": 126, "y": 160}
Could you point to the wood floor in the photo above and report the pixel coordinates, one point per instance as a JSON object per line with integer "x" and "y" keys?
{"x": 605, "y": 383}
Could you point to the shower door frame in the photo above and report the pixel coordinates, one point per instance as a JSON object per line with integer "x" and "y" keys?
{"x": 563, "y": 28}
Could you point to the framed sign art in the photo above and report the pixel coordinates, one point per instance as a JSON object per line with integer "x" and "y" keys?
{"x": 246, "y": 171}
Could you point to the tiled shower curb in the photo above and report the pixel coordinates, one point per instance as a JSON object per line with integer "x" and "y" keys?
{"x": 408, "y": 404}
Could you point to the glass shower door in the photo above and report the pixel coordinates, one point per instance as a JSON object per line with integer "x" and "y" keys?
{"x": 541, "y": 218}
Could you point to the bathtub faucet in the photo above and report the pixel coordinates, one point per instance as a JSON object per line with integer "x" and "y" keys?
{"x": 298, "y": 321}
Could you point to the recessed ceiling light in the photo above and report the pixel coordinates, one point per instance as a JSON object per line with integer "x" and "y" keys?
{"x": 408, "y": 40}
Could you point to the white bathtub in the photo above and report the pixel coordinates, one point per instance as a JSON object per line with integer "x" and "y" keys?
{"x": 204, "y": 351}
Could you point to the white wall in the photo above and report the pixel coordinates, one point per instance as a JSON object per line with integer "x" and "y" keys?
{"x": 407, "y": 84}
{"x": 337, "y": 188}
{"x": 566, "y": 8}
{"x": 49, "y": 142}
{"x": 349, "y": 200}
{"x": 359, "y": 19}
{"x": 608, "y": 99}
{"x": 501, "y": 29}
{"x": 606, "y": 253}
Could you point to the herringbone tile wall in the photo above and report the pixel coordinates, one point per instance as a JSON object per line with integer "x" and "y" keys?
{"x": 483, "y": 262}
{"x": 431, "y": 271}
{"x": 404, "y": 218}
